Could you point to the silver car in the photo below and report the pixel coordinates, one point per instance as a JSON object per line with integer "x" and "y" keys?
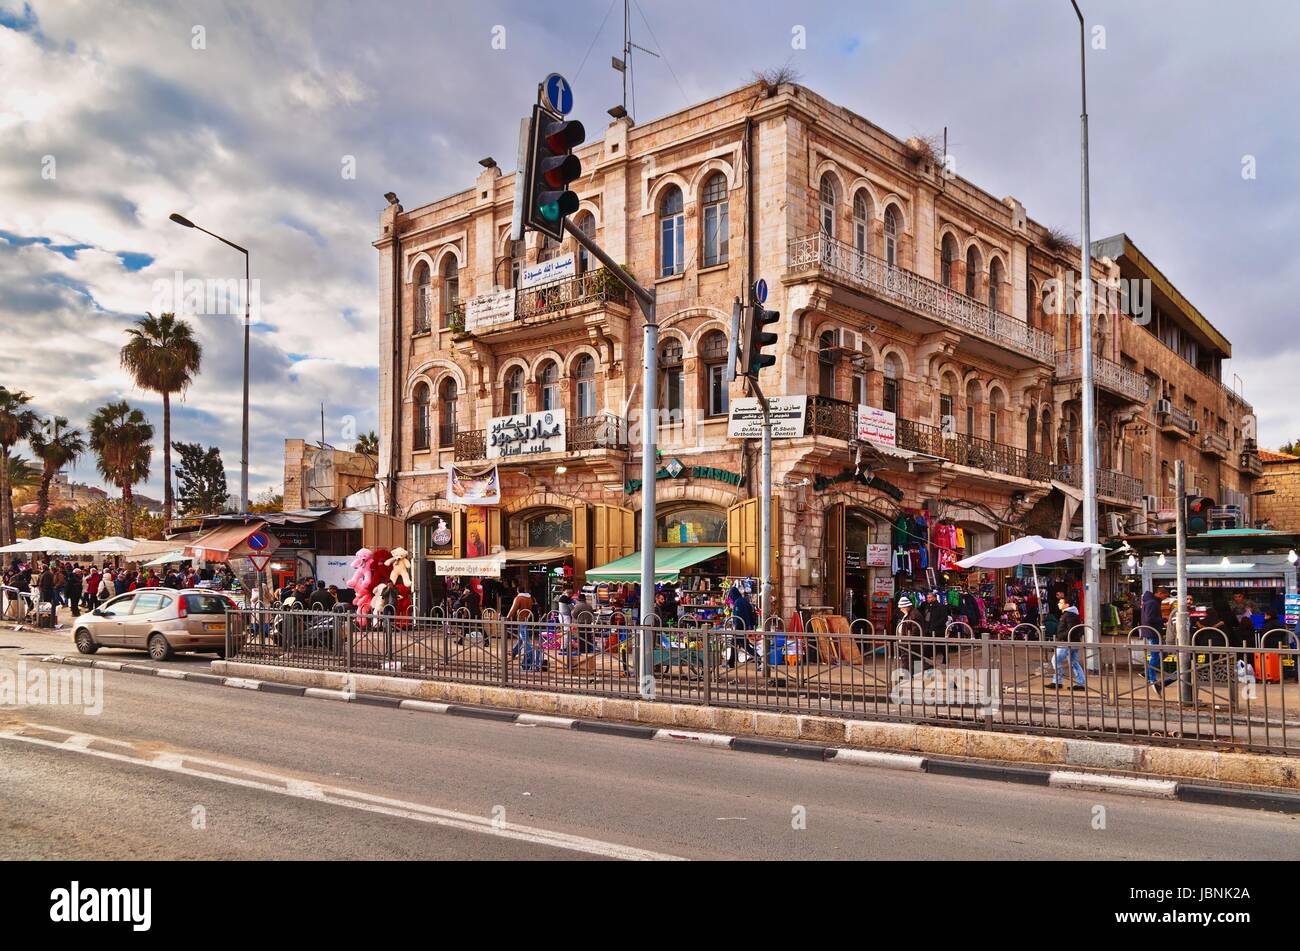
{"x": 159, "y": 620}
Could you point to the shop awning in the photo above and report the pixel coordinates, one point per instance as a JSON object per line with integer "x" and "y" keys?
{"x": 231, "y": 542}
{"x": 489, "y": 566}
{"x": 669, "y": 563}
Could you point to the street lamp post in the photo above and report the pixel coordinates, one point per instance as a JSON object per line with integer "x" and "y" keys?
{"x": 1091, "y": 568}
{"x": 243, "y": 449}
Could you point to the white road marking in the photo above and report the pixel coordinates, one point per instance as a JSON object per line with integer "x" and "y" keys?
{"x": 1123, "y": 785}
{"x": 873, "y": 758}
{"x": 703, "y": 739}
{"x": 538, "y": 719}
{"x": 425, "y": 706}
{"x": 323, "y": 693}
{"x": 348, "y": 798}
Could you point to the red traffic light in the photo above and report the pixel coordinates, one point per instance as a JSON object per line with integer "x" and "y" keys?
{"x": 563, "y": 136}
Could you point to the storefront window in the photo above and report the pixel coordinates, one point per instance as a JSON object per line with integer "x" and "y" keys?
{"x": 693, "y": 526}
{"x": 552, "y": 530}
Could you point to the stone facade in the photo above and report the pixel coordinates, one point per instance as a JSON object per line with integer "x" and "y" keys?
{"x": 317, "y": 478}
{"x": 1281, "y": 509}
{"x": 898, "y": 287}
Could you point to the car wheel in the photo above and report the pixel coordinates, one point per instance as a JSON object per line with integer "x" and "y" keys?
{"x": 85, "y": 643}
{"x": 159, "y": 649}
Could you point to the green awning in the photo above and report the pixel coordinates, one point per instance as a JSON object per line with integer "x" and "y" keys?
{"x": 669, "y": 563}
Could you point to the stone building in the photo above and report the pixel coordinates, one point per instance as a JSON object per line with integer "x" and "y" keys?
{"x": 902, "y": 289}
{"x": 321, "y": 477}
{"x": 1279, "y": 501}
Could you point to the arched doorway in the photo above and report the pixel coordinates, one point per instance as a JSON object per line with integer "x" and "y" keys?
{"x": 858, "y": 575}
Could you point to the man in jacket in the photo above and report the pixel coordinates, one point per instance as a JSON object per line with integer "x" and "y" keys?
{"x": 72, "y": 591}
{"x": 1065, "y": 632}
{"x": 1151, "y": 615}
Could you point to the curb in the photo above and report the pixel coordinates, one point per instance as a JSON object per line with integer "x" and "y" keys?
{"x": 1241, "y": 798}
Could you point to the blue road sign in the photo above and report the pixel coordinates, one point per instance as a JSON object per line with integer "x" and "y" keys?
{"x": 257, "y": 541}
{"x": 558, "y": 93}
{"x": 760, "y": 291}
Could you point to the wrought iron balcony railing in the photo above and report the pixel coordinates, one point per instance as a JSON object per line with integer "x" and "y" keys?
{"x": 974, "y": 452}
{"x": 1175, "y": 421}
{"x": 1115, "y": 485}
{"x": 602, "y": 431}
{"x": 1108, "y": 374}
{"x": 593, "y": 287}
{"x": 918, "y": 294}
{"x": 1251, "y": 464}
{"x": 830, "y": 417}
{"x": 1216, "y": 444}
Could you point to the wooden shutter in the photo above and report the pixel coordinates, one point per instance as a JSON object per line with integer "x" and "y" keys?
{"x": 581, "y": 542}
{"x": 613, "y": 534}
{"x": 835, "y": 557}
{"x": 743, "y": 537}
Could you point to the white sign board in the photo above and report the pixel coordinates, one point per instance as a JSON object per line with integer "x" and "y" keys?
{"x": 788, "y": 414}
{"x": 877, "y": 555}
{"x": 334, "y": 569}
{"x": 552, "y": 270}
{"x": 489, "y": 310}
{"x": 877, "y": 425}
{"x": 526, "y": 434}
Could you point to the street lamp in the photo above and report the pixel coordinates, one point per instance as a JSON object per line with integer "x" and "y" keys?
{"x": 243, "y": 451}
{"x": 1092, "y": 578}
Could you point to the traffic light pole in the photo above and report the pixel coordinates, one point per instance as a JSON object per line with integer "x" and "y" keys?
{"x": 764, "y": 517}
{"x": 1180, "y": 610}
{"x": 645, "y": 299}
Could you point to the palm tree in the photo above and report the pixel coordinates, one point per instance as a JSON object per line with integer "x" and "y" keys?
{"x": 367, "y": 444}
{"x": 16, "y": 423}
{"x": 56, "y": 446}
{"x": 163, "y": 355}
{"x": 22, "y": 473}
{"x": 120, "y": 436}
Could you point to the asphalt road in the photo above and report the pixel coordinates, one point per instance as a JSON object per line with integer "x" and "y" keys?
{"x": 171, "y": 769}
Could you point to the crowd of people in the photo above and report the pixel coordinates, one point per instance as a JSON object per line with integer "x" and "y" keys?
{"x": 85, "y": 586}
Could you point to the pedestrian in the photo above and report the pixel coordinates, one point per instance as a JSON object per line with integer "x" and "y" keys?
{"x": 1066, "y": 632}
{"x": 520, "y": 613}
{"x": 1152, "y": 616}
{"x": 72, "y": 588}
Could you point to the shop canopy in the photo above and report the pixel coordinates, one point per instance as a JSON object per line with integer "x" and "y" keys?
{"x": 170, "y": 558}
{"x": 489, "y": 566}
{"x": 233, "y": 541}
{"x": 669, "y": 563}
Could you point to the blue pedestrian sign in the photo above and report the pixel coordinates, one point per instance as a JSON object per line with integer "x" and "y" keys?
{"x": 558, "y": 94}
{"x": 760, "y": 291}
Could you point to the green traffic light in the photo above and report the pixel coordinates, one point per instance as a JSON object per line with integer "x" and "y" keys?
{"x": 551, "y": 212}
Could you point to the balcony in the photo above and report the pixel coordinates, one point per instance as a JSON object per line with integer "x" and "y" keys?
{"x": 1174, "y": 421}
{"x": 1107, "y": 374}
{"x": 510, "y": 310}
{"x": 603, "y": 431}
{"x": 1111, "y": 484}
{"x": 912, "y": 294}
{"x": 1216, "y": 445}
{"x": 976, "y": 453}
{"x": 1251, "y": 465}
{"x": 833, "y": 418}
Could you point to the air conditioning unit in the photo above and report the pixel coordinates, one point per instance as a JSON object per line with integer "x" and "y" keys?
{"x": 1115, "y": 522}
{"x": 1150, "y": 503}
{"x": 1139, "y": 524}
{"x": 1164, "y": 407}
{"x": 1196, "y": 426}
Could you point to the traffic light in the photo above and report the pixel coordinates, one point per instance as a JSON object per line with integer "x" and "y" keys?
{"x": 753, "y": 338}
{"x": 1196, "y": 514}
{"x": 551, "y": 166}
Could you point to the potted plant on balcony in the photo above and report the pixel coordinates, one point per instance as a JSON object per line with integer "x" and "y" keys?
{"x": 605, "y": 285}
{"x": 456, "y": 322}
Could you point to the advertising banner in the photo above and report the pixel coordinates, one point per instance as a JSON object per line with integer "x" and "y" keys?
{"x": 877, "y": 425}
{"x": 476, "y": 531}
{"x": 552, "y": 270}
{"x": 463, "y": 489}
{"x": 489, "y": 309}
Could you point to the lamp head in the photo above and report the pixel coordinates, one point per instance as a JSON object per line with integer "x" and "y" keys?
{"x": 181, "y": 220}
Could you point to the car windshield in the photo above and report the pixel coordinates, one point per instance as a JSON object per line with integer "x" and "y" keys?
{"x": 206, "y": 604}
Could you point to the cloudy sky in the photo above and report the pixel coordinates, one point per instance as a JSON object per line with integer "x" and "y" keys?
{"x": 247, "y": 117}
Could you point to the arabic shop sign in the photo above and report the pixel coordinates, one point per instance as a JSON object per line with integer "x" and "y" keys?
{"x": 675, "y": 470}
{"x": 525, "y": 434}
{"x": 861, "y": 477}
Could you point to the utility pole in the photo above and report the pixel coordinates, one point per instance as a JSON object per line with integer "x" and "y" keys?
{"x": 1091, "y": 565}
{"x": 1181, "y": 618}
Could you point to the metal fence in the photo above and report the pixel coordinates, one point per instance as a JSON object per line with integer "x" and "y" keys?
{"x": 1132, "y": 687}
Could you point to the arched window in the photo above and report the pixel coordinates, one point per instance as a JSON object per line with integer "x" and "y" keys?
{"x": 514, "y": 402}
{"x": 714, "y": 218}
{"x": 549, "y": 249}
{"x": 1031, "y": 430}
{"x": 1104, "y": 455}
{"x": 893, "y": 395}
{"x": 1045, "y": 437}
{"x": 1031, "y": 303}
{"x": 972, "y": 272}
{"x": 861, "y": 221}
{"x": 826, "y": 359}
{"x": 995, "y": 282}
{"x": 696, "y": 525}
{"x": 548, "y": 379}
{"x": 947, "y": 402}
{"x": 671, "y": 391}
{"x": 516, "y": 251}
{"x": 947, "y": 262}
{"x": 672, "y": 233}
{"x": 549, "y": 530}
{"x": 586, "y": 223}
{"x": 421, "y": 421}
{"x": 447, "y": 413}
{"x": 996, "y": 406}
{"x": 891, "y": 236}
{"x": 584, "y": 372}
{"x": 829, "y": 195}
{"x": 973, "y": 401}
{"x": 713, "y": 355}
{"x": 450, "y": 288}
{"x": 423, "y": 299}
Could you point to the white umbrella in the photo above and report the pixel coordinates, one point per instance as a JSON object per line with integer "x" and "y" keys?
{"x": 111, "y": 545}
{"x": 170, "y": 558}
{"x": 1032, "y": 550}
{"x": 54, "y": 546}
